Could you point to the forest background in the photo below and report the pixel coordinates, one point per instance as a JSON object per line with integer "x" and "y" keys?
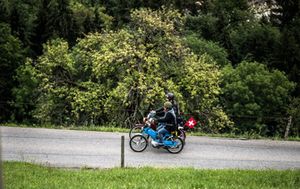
{"x": 95, "y": 62}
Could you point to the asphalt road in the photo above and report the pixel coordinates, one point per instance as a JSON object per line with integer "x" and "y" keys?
{"x": 66, "y": 148}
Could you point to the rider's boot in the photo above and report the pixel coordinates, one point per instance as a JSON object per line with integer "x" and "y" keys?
{"x": 155, "y": 143}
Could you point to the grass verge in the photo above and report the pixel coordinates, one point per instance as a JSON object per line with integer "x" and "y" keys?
{"x": 72, "y": 127}
{"x": 126, "y": 130}
{"x": 26, "y": 175}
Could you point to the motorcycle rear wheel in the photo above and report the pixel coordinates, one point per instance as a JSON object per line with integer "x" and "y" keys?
{"x": 137, "y": 130}
{"x": 178, "y": 148}
{"x": 182, "y": 135}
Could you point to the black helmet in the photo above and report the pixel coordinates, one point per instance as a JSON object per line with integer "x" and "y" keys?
{"x": 170, "y": 96}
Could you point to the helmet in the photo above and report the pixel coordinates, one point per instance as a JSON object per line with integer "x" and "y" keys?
{"x": 170, "y": 96}
{"x": 168, "y": 105}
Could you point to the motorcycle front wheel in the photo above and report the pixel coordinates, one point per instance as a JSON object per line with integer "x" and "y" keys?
{"x": 138, "y": 143}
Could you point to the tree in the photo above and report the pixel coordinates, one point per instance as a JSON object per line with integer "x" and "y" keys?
{"x": 216, "y": 20}
{"x": 203, "y": 25}
{"x": 254, "y": 41}
{"x": 68, "y": 20}
{"x": 25, "y": 92}
{"x": 89, "y": 17}
{"x": 55, "y": 71}
{"x": 117, "y": 76}
{"x": 120, "y": 9}
{"x": 11, "y": 56}
{"x": 21, "y": 15}
{"x": 287, "y": 56}
{"x": 4, "y": 10}
{"x": 202, "y": 46}
{"x": 255, "y": 97}
{"x": 42, "y": 29}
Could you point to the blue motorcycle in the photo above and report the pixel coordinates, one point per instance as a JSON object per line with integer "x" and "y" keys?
{"x": 170, "y": 142}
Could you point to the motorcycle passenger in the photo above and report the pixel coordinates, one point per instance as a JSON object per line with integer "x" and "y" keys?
{"x": 167, "y": 122}
{"x": 179, "y": 119}
{"x": 171, "y": 98}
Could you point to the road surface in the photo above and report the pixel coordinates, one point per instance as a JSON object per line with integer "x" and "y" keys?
{"x": 75, "y": 149}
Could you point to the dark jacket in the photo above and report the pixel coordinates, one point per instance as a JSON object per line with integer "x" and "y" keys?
{"x": 160, "y": 111}
{"x": 169, "y": 120}
{"x": 176, "y": 108}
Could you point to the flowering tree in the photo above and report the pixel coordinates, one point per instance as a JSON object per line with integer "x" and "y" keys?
{"x": 117, "y": 76}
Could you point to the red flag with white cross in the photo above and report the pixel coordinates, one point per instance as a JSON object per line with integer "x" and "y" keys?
{"x": 191, "y": 123}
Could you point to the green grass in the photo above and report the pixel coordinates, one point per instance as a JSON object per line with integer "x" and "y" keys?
{"x": 72, "y": 127}
{"x": 243, "y": 137}
{"x": 25, "y": 175}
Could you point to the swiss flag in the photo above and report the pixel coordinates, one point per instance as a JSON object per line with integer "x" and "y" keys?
{"x": 191, "y": 123}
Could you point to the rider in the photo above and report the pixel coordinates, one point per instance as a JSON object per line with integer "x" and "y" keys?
{"x": 167, "y": 122}
{"x": 171, "y": 98}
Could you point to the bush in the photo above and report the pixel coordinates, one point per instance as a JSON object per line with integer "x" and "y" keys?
{"x": 256, "y": 97}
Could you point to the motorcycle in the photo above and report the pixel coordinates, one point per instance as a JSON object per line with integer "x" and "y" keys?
{"x": 139, "y": 142}
{"x": 138, "y": 128}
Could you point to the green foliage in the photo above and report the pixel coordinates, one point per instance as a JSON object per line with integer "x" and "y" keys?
{"x": 36, "y": 21}
{"x": 200, "y": 82}
{"x": 25, "y": 96}
{"x": 20, "y": 16}
{"x": 11, "y": 56}
{"x": 254, "y": 42}
{"x": 131, "y": 67}
{"x": 252, "y": 93}
{"x": 219, "y": 122}
{"x": 202, "y": 46}
{"x": 55, "y": 70}
{"x": 144, "y": 63}
{"x": 89, "y": 17}
{"x": 200, "y": 86}
{"x": 216, "y": 18}
{"x": 294, "y": 111}
{"x": 121, "y": 10}
{"x": 287, "y": 55}
{"x": 203, "y": 25}
{"x": 4, "y": 10}
{"x": 117, "y": 76}
{"x": 274, "y": 42}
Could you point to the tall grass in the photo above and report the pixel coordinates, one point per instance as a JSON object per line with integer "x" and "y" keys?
{"x": 25, "y": 175}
